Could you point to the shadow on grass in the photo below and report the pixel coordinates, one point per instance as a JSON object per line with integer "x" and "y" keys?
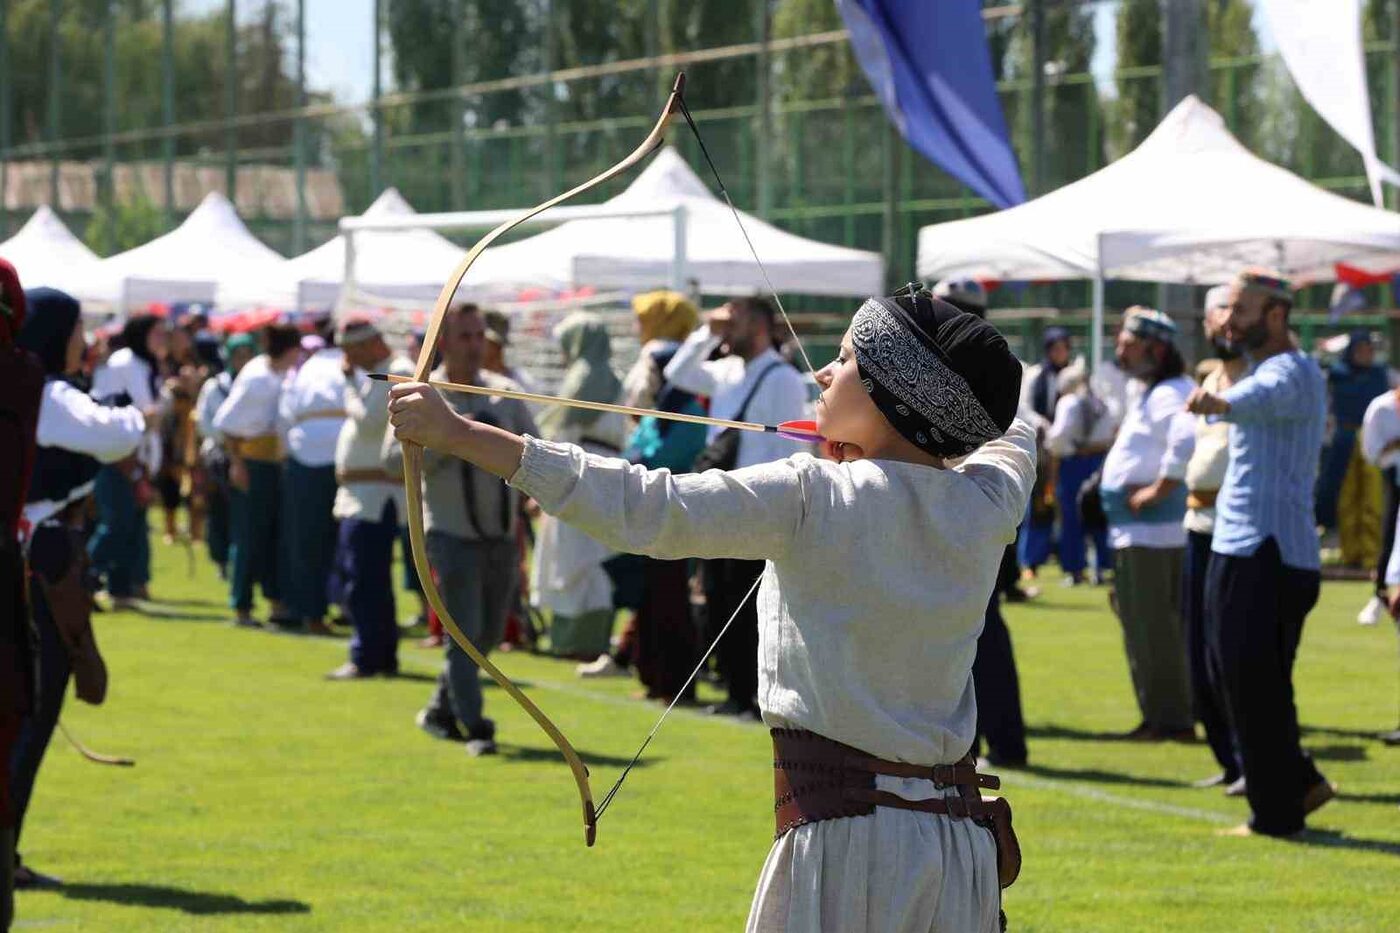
{"x": 175, "y": 613}
{"x": 1051, "y": 730}
{"x": 1337, "y": 752}
{"x": 532, "y": 753}
{"x": 1388, "y": 800}
{"x": 1333, "y": 839}
{"x": 1372, "y": 736}
{"x": 1094, "y": 776}
{"x": 186, "y": 901}
{"x": 488, "y": 684}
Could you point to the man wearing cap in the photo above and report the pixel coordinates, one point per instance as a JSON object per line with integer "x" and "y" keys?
{"x": 497, "y": 341}
{"x": 1263, "y": 576}
{"x": 369, "y": 505}
{"x": 311, "y": 413}
{"x": 1144, "y": 498}
{"x": 1205, "y": 473}
{"x": 239, "y": 350}
{"x": 1040, "y": 391}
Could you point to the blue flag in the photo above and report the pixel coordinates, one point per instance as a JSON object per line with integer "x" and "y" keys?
{"x": 928, "y": 63}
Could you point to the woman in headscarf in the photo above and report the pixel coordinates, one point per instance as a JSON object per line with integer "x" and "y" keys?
{"x": 659, "y": 639}
{"x": 121, "y": 546}
{"x": 75, "y": 436}
{"x": 880, "y": 562}
{"x": 567, "y": 576}
{"x": 1349, "y": 489}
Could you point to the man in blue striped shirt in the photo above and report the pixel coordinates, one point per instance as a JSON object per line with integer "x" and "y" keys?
{"x": 1263, "y": 576}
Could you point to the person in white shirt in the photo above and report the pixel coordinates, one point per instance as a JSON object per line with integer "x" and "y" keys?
{"x": 247, "y": 421}
{"x": 1040, "y": 392}
{"x": 927, "y": 480}
{"x": 121, "y": 546}
{"x": 1380, "y": 445}
{"x": 240, "y": 349}
{"x": 1079, "y": 438}
{"x": 310, "y": 415}
{"x": 74, "y": 436}
{"x": 369, "y": 504}
{"x": 752, "y": 383}
{"x": 1144, "y": 497}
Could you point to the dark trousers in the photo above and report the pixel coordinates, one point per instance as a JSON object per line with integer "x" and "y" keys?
{"x": 665, "y": 651}
{"x": 1204, "y": 701}
{"x": 727, "y": 582}
{"x": 364, "y": 566}
{"x": 216, "y": 523}
{"x": 120, "y": 547}
{"x": 253, "y": 533}
{"x": 308, "y": 537}
{"x": 37, "y": 728}
{"x": 1254, "y": 621}
{"x": 1390, "y": 478}
{"x": 998, "y": 690}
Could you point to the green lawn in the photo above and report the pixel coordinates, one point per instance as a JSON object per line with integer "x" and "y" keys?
{"x": 266, "y": 798}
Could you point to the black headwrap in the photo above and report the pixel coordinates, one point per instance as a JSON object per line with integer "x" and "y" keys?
{"x": 134, "y": 335}
{"x": 48, "y": 326}
{"x": 946, "y": 380}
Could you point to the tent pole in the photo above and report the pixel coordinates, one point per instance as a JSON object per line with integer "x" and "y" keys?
{"x": 678, "y": 248}
{"x": 347, "y": 287}
{"x": 1096, "y": 323}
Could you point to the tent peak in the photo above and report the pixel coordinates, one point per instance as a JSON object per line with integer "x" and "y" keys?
{"x": 390, "y": 203}
{"x": 668, "y": 176}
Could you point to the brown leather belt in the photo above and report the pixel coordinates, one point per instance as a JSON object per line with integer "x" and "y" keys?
{"x": 1201, "y": 499}
{"x": 332, "y": 413}
{"x": 816, "y": 779}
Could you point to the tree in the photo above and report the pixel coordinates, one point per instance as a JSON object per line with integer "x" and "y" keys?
{"x": 1234, "y": 88}
{"x": 1139, "y": 30}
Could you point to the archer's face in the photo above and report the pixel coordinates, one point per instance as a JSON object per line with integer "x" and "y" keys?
{"x": 845, "y": 412}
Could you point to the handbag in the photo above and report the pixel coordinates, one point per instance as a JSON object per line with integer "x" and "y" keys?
{"x": 722, "y": 453}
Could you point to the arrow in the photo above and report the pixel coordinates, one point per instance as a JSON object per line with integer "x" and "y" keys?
{"x": 804, "y": 431}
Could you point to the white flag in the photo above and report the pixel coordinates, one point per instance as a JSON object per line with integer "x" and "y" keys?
{"x": 1320, "y": 41}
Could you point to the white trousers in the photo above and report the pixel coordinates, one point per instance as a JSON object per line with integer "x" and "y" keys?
{"x": 896, "y": 871}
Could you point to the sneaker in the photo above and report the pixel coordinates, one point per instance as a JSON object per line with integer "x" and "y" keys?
{"x": 439, "y": 726}
{"x": 349, "y": 671}
{"x": 1215, "y": 780}
{"x": 1072, "y": 580}
{"x": 1372, "y": 612}
{"x": 1391, "y": 738}
{"x": 246, "y": 621}
{"x": 604, "y": 666}
{"x": 1237, "y": 788}
{"x": 481, "y": 740}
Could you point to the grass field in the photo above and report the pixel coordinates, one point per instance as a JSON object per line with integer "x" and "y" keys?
{"x": 266, "y": 798}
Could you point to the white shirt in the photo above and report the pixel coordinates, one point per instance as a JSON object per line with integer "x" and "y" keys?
{"x": 1080, "y": 421}
{"x": 211, "y": 396}
{"x": 312, "y": 408}
{"x": 126, "y": 372}
{"x": 1155, "y": 442}
{"x": 726, "y": 381}
{"x": 71, "y": 420}
{"x": 1381, "y": 426}
{"x": 877, "y": 579}
{"x": 361, "y": 444}
{"x": 251, "y": 407}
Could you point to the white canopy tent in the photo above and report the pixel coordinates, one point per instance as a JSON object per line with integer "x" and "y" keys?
{"x": 211, "y": 257}
{"x": 678, "y": 219}
{"x": 404, "y": 264}
{"x": 1189, "y": 205}
{"x": 46, "y": 253}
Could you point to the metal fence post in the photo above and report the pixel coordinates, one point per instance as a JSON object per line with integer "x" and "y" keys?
{"x": 107, "y": 188}
{"x": 231, "y": 102}
{"x": 376, "y": 153}
{"x": 765, "y": 115}
{"x": 55, "y": 94}
{"x": 457, "y": 111}
{"x": 167, "y": 105}
{"x": 299, "y": 136}
{"x": 4, "y": 121}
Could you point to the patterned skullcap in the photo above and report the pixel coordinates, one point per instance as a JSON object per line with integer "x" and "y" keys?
{"x": 944, "y": 379}
{"x": 356, "y": 329}
{"x": 1266, "y": 283}
{"x": 1149, "y": 324}
{"x": 965, "y": 294}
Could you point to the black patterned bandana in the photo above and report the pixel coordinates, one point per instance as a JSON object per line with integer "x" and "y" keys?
{"x": 944, "y": 379}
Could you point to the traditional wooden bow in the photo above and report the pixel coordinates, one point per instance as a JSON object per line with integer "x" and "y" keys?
{"x": 413, "y": 458}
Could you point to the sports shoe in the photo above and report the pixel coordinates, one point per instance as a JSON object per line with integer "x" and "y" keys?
{"x": 603, "y": 666}
{"x": 1372, "y": 612}
{"x": 481, "y": 740}
{"x": 439, "y": 726}
{"x": 1236, "y": 788}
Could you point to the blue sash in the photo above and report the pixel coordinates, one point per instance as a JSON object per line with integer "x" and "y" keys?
{"x": 1172, "y": 508}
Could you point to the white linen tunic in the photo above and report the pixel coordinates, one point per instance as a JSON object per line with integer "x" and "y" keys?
{"x": 359, "y": 449}
{"x": 312, "y": 408}
{"x": 251, "y": 407}
{"x": 872, "y": 599}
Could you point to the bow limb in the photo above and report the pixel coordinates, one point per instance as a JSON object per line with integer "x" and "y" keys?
{"x": 413, "y": 460}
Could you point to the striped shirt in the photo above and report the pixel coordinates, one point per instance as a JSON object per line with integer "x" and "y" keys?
{"x": 1277, "y": 414}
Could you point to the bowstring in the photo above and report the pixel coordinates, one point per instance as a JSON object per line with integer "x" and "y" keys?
{"x": 768, "y": 282}
{"x": 617, "y": 785}
{"x": 738, "y": 219}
